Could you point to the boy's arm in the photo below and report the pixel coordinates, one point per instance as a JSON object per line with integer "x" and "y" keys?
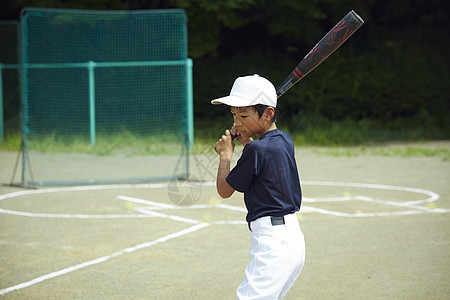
{"x": 224, "y": 148}
{"x": 223, "y": 188}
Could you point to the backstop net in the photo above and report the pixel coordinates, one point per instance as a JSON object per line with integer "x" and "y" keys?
{"x": 107, "y": 96}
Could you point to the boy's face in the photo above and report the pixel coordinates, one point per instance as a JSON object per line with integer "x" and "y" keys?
{"x": 247, "y": 122}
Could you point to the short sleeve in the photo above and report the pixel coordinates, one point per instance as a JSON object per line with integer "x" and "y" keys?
{"x": 246, "y": 168}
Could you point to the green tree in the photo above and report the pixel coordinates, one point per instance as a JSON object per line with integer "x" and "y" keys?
{"x": 394, "y": 70}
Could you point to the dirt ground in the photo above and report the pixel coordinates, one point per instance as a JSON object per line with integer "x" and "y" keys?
{"x": 376, "y": 227}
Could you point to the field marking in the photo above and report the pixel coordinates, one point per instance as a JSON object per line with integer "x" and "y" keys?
{"x": 87, "y": 188}
{"x": 362, "y": 215}
{"x": 432, "y": 195}
{"x": 104, "y": 258}
{"x": 73, "y": 216}
{"x": 412, "y": 206}
{"x": 157, "y": 205}
{"x": 147, "y": 211}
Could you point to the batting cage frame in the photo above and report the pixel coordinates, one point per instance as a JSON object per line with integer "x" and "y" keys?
{"x": 106, "y": 96}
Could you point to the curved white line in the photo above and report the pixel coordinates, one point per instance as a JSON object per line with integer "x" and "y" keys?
{"x": 432, "y": 196}
{"x": 72, "y": 216}
{"x": 86, "y": 188}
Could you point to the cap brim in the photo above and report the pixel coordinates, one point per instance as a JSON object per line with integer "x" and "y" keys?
{"x": 232, "y": 101}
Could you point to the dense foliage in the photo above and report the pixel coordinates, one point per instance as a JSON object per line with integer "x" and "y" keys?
{"x": 393, "y": 72}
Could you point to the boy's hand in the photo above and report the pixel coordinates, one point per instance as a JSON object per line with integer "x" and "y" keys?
{"x": 241, "y": 139}
{"x": 225, "y": 146}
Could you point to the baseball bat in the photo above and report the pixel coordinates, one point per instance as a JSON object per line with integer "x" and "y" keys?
{"x": 324, "y": 48}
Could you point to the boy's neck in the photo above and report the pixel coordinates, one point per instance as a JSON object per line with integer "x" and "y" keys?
{"x": 269, "y": 128}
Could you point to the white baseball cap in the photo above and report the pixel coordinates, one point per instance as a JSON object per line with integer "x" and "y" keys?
{"x": 250, "y": 90}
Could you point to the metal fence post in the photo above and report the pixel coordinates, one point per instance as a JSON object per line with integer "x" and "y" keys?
{"x": 91, "y": 67}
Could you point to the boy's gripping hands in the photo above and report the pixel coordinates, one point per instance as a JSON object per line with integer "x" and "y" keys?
{"x": 225, "y": 146}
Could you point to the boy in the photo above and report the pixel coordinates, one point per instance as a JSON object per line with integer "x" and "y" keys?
{"x": 267, "y": 174}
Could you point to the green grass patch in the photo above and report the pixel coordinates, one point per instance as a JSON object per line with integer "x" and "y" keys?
{"x": 336, "y": 138}
{"x": 11, "y": 142}
{"x": 124, "y": 143}
{"x": 319, "y": 131}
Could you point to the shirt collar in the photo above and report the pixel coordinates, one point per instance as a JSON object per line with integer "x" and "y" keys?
{"x": 269, "y": 133}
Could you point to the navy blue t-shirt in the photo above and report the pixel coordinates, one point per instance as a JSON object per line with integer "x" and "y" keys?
{"x": 267, "y": 174}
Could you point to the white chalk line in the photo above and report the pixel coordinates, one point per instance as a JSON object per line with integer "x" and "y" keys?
{"x": 413, "y": 206}
{"x": 152, "y": 213}
{"x": 163, "y": 206}
{"x": 144, "y": 213}
{"x": 432, "y": 195}
{"x": 90, "y": 188}
{"x": 104, "y": 258}
{"x": 103, "y": 187}
{"x": 360, "y": 214}
{"x": 73, "y": 216}
{"x": 151, "y": 206}
{"x": 423, "y": 209}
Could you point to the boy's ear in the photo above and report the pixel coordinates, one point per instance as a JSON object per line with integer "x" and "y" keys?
{"x": 269, "y": 112}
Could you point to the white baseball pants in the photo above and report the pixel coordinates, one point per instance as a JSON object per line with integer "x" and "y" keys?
{"x": 277, "y": 256}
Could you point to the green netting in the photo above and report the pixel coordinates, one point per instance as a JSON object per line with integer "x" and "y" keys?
{"x": 107, "y": 96}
